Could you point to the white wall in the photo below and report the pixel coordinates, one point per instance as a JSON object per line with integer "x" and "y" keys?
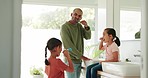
{"x": 129, "y": 48}
{"x": 6, "y": 38}
{"x": 130, "y": 4}
{"x": 144, "y": 39}
{"x": 10, "y": 23}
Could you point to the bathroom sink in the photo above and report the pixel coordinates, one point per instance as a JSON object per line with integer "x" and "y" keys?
{"x": 121, "y": 68}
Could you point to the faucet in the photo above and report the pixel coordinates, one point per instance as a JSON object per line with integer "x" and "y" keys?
{"x": 139, "y": 50}
{"x": 137, "y": 55}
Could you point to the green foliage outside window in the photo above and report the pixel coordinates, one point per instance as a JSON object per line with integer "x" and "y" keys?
{"x": 54, "y": 19}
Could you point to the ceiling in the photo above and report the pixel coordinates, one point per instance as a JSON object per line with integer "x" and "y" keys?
{"x": 124, "y": 4}
{"x": 63, "y": 2}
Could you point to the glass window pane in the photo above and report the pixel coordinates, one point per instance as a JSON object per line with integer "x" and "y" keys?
{"x": 130, "y": 23}
{"x": 39, "y": 24}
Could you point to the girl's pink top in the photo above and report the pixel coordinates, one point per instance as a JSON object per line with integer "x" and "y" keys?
{"x": 110, "y": 49}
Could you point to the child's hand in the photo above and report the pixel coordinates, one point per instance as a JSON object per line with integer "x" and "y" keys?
{"x": 66, "y": 54}
{"x": 100, "y": 62}
{"x": 101, "y": 39}
{"x": 85, "y": 58}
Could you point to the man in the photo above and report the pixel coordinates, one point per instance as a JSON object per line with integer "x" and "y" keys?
{"x": 72, "y": 35}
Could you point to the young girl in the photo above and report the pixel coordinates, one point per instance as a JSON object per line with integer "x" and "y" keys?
{"x": 54, "y": 66}
{"x": 112, "y": 52}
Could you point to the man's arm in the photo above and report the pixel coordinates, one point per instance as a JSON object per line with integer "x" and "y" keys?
{"x": 86, "y": 30}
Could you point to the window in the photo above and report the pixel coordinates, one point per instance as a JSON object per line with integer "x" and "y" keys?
{"x": 130, "y": 24}
{"x": 39, "y": 24}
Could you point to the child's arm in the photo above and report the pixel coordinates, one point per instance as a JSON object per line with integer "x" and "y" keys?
{"x": 47, "y": 70}
{"x": 101, "y": 44}
{"x": 70, "y": 68}
{"x": 115, "y": 57}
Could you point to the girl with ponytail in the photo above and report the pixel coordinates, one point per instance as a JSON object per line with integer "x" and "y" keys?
{"x": 112, "y": 52}
{"x": 54, "y": 67}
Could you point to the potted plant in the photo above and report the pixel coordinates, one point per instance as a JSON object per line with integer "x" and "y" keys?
{"x": 137, "y": 34}
{"x": 36, "y": 72}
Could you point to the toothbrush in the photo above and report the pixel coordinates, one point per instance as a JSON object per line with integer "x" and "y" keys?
{"x": 69, "y": 49}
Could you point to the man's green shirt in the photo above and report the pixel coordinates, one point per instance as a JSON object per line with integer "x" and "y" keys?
{"x": 73, "y": 37}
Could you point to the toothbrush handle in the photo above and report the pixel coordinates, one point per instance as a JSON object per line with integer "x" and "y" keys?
{"x": 69, "y": 49}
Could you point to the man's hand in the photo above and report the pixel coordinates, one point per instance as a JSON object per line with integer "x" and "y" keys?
{"x": 85, "y": 58}
{"x": 83, "y": 22}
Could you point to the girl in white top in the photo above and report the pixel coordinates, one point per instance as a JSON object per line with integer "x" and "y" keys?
{"x": 112, "y": 52}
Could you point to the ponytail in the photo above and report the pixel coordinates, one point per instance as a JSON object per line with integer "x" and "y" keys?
{"x": 51, "y": 44}
{"x": 46, "y": 61}
{"x": 117, "y": 41}
{"x": 111, "y": 31}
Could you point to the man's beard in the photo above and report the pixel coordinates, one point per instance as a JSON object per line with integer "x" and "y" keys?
{"x": 76, "y": 20}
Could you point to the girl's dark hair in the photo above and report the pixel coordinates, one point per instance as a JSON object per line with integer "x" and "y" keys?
{"x": 51, "y": 44}
{"x": 111, "y": 31}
